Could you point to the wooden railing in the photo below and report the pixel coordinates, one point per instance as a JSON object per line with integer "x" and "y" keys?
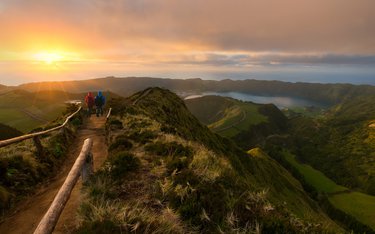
{"x": 82, "y": 166}
{"x": 109, "y": 113}
{"x": 35, "y": 135}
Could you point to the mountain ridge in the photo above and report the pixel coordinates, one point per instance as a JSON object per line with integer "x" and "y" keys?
{"x": 329, "y": 94}
{"x": 205, "y": 182}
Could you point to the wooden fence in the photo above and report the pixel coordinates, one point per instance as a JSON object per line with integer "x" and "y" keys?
{"x": 82, "y": 166}
{"x": 109, "y": 113}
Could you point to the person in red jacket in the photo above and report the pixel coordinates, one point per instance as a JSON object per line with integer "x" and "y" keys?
{"x": 90, "y": 101}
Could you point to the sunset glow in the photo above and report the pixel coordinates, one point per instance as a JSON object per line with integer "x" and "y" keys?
{"x": 48, "y": 57}
{"x": 213, "y": 39}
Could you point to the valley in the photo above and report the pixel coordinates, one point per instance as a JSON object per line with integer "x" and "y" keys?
{"x": 357, "y": 204}
{"x": 327, "y": 149}
{"x": 312, "y": 137}
{"x": 187, "y": 117}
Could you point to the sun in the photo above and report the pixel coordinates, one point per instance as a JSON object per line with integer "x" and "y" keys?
{"x": 49, "y": 57}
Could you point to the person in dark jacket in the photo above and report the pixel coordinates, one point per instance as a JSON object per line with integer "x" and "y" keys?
{"x": 99, "y": 103}
{"x": 89, "y": 100}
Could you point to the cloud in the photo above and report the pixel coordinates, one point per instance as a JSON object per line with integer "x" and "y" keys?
{"x": 144, "y": 36}
{"x": 334, "y": 26}
{"x": 269, "y": 59}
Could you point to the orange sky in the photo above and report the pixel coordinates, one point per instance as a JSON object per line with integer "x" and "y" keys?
{"x": 92, "y": 38}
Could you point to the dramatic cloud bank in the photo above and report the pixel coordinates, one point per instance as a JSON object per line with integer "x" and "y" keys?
{"x": 143, "y": 36}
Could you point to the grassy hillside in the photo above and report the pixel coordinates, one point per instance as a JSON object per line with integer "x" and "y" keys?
{"x": 22, "y": 167}
{"x": 25, "y": 111}
{"x": 342, "y": 145}
{"x": 168, "y": 173}
{"x": 247, "y": 123}
{"x": 7, "y": 132}
{"x": 358, "y": 205}
{"x": 314, "y": 177}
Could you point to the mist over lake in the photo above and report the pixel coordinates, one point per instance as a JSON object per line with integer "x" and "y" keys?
{"x": 281, "y": 102}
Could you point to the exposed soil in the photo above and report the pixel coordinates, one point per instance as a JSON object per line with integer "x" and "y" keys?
{"x": 30, "y": 211}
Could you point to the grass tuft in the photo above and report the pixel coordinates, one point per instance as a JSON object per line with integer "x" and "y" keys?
{"x": 122, "y": 163}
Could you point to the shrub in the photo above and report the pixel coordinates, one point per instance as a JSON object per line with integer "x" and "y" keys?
{"x": 76, "y": 122}
{"x": 98, "y": 226}
{"x": 171, "y": 149}
{"x": 120, "y": 144}
{"x": 177, "y": 163}
{"x": 205, "y": 199}
{"x": 103, "y": 216}
{"x": 4, "y": 197}
{"x": 178, "y": 156}
{"x": 123, "y": 163}
{"x": 101, "y": 186}
{"x": 19, "y": 174}
{"x": 116, "y": 124}
{"x": 143, "y": 137}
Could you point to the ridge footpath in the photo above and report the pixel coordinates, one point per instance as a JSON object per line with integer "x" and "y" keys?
{"x": 30, "y": 211}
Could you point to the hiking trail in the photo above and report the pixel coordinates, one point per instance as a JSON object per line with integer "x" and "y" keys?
{"x": 31, "y": 210}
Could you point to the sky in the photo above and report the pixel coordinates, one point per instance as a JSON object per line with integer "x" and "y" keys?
{"x": 325, "y": 41}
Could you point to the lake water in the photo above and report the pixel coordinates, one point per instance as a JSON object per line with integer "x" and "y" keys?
{"x": 281, "y": 102}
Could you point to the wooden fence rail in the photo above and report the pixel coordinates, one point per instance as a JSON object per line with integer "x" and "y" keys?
{"x": 82, "y": 166}
{"x": 109, "y": 113}
{"x": 36, "y": 134}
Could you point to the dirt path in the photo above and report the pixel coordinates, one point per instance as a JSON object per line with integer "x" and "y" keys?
{"x": 30, "y": 212}
{"x": 33, "y": 116}
{"x": 233, "y": 124}
{"x": 142, "y": 96}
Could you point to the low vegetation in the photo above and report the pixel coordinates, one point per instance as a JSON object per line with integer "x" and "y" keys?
{"x": 25, "y": 110}
{"x": 182, "y": 178}
{"x": 7, "y": 132}
{"x": 351, "y": 209}
{"x": 342, "y": 145}
{"x": 247, "y": 123}
{"x": 23, "y": 167}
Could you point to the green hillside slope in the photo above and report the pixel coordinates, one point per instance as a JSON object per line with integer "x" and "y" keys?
{"x": 168, "y": 173}
{"x": 7, "y": 132}
{"x": 247, "y": 123}
{"x": 25, "y": 111}
{"x": 342, "y": 145}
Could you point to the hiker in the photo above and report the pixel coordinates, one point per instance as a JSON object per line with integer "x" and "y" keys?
{"x": 89, "y": 100}
{"x": 99, "y": 103}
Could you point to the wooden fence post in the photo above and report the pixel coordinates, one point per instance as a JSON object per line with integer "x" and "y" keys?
{"x": 49, "y": 220}
{"x": 87, "y": 168}
{"x": 38, "y": 146}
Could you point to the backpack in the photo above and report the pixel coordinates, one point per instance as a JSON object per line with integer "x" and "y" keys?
{"x": 90, "y": 101}
{"x": 99, "y": 101}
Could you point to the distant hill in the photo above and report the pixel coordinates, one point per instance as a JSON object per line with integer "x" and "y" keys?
{"x": 4, "y": 88}
{"x": 328, "y": 94}
{"x": 188, "y": 178}
{"x": 26, "y": 110}
{"x": 7, "y": 132}
{"x": 247, "y": 123}
{"x": 343, "y": 144}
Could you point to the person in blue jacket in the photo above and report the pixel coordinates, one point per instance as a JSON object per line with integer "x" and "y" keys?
{"x": 99, "y": 103}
